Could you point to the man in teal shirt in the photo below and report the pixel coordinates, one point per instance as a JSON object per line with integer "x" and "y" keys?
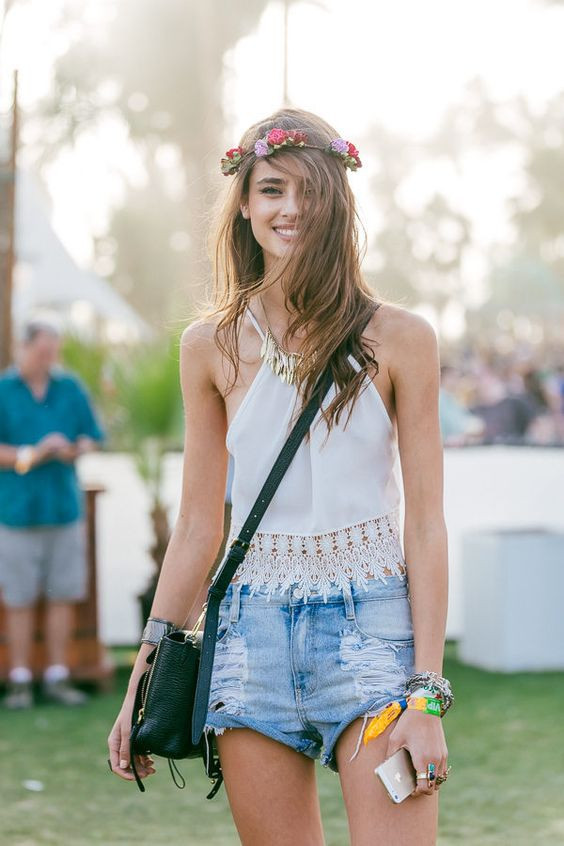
{"x": 46, "y": 422}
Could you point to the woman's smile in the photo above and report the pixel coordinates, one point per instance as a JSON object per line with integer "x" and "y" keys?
{"x": 286, "y": 232}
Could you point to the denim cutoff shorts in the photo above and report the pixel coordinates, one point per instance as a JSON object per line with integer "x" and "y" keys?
{"x": 300, "y": 673}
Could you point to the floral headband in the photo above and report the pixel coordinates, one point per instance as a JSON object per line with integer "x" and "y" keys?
{"x": 278, "y": 138}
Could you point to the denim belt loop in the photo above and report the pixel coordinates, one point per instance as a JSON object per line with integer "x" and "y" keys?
{"x": 349, "y": 604}
{"x": 235, "y": 603}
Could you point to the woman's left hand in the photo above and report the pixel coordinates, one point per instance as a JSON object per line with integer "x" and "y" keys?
{"x": 423, "y": 737}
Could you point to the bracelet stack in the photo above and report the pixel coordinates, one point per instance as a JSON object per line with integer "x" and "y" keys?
{"x": 424, "y": 690}
{"x": 155, "y": 629}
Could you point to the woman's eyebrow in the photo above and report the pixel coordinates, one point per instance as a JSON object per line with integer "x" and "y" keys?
{"x": 275, "y": 180}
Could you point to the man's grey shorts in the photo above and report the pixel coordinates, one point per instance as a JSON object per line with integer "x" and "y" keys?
{"x": 47, "y": 561}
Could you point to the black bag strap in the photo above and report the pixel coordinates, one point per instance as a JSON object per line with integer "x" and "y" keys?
{"x": 240, "y": 545}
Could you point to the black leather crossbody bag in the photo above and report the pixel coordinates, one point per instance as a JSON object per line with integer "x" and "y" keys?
{"x": 171, "y": 701}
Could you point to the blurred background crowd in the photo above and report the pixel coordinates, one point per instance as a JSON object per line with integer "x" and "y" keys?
{"x": 490, "y": 398}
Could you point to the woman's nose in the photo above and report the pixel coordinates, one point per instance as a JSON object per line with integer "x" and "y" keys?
{"x": 290, "y": 206}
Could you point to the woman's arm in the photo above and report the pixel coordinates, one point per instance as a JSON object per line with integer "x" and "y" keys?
{"x": 415, "y": 376}
{"x": 414, "y": 372}
{"x": 198, "y": 531}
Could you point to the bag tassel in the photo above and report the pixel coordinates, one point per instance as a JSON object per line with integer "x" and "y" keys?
{"x": 175, "y": 773}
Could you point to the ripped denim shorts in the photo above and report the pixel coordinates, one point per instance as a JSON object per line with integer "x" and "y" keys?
{"x": 300, "y": 673}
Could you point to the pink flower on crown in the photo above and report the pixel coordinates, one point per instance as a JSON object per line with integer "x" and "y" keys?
{"x": 277, "y": 136}
{"x": 261, "y": 148}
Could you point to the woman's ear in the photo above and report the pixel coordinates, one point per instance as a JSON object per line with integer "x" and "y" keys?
{"x": 245, "y": 210}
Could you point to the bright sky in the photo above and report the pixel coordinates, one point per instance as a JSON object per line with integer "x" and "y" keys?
{"x": 400, "y": 62}
{"x": 356, "y": 63}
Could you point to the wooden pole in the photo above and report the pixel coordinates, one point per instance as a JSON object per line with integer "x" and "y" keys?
{"x": 7, "y": 204}
{"x": 285, "y": 97}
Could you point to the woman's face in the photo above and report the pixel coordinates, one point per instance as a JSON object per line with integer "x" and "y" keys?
{"x": 273, "y": 207}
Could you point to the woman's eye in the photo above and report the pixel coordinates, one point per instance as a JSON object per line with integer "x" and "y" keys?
{"x": 269, "y": 190}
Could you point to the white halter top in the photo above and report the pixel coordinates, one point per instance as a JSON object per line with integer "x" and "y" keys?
{"x": 334, "y": 516}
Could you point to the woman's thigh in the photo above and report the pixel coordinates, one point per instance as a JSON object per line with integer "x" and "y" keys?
{"x": 272, "y": 790}
{"x": 372, "y": 816}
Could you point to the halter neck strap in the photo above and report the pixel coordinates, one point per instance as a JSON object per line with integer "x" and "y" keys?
{"x": 255, "y": 323}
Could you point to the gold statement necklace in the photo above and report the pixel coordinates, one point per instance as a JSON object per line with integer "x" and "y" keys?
{"x": 285, "y": 364}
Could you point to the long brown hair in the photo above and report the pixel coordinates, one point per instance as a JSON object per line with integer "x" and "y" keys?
{"x": 320, "y": 276}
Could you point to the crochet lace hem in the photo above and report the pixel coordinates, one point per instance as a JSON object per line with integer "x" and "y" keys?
{"x": 308, "y": 563}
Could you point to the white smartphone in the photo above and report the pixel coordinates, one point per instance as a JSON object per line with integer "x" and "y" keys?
{"x": 397, "y": 774}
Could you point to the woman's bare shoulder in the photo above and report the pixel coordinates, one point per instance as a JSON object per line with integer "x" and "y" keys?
{"x": 200, "y": 334}
{"x": 401, "y": 332}
{"x": 198, "y": 346}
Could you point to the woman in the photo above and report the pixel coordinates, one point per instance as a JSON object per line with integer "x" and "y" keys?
{"x": 317, "y": 633}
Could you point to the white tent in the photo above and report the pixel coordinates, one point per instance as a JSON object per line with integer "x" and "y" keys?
{"x": 47, "y": 279}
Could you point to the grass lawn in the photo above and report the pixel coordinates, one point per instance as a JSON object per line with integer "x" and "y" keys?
{"x": 506, "y": 743}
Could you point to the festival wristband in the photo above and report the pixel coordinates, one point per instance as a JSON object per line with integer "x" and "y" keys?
{"x": 425, "y": 704}
{"x": 430, "y": 692}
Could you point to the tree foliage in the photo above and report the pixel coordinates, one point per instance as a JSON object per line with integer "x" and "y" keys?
{"x": 421, "y": 253}
{"x": 158, "y": 69}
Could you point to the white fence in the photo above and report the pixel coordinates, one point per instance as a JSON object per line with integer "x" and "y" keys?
{"x": 489, "y": 487}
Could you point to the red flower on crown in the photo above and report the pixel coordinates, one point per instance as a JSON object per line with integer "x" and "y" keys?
{"x": 354, "y": 155}
{"x": 297, "y": 136}
{"x": 231, "y": 162}
{"x": 276, "y": 136}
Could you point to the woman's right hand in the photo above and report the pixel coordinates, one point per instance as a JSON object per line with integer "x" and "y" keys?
{"x": 118, "y": 745}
